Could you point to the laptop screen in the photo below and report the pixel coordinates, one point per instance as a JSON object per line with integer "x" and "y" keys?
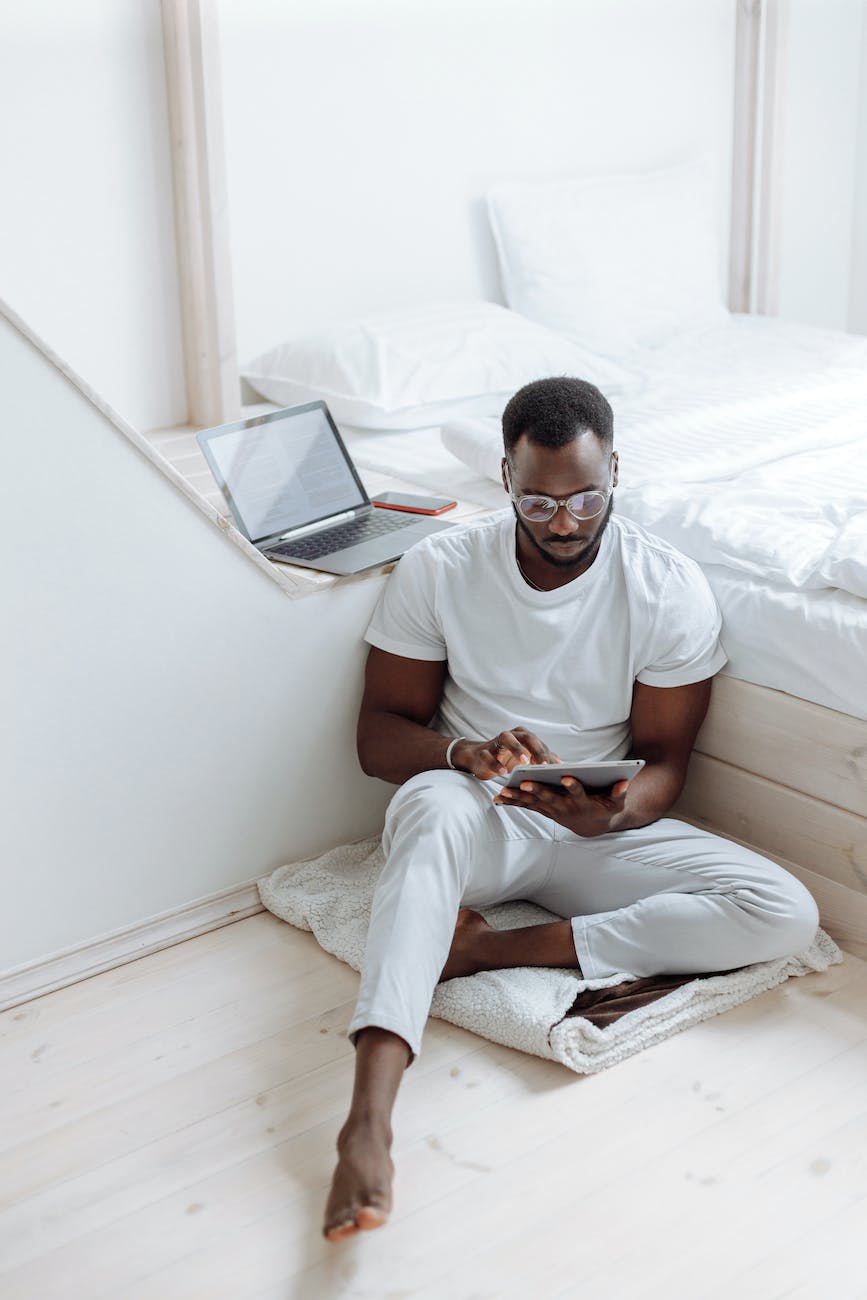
{"x": 284, "y": 470}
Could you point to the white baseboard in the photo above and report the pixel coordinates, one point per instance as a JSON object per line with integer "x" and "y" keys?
{"x": 23, "y": 983}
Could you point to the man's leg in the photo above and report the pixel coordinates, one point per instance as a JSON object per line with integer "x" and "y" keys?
{"x": 445, "y": 842}
{"x": 477, "y": 946}
{"x": 672, "y": 899}
{"x": 664, "y": 899}
{"x": 360, "y": 1194}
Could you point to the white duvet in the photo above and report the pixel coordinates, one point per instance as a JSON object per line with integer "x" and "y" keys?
{"x": 746, "y": 447}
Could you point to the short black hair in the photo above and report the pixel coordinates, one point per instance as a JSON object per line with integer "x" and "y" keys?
{"x": 551, "y": 412}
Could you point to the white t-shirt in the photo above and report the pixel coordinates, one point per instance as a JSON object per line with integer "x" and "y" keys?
{"x": 561, "y": 663}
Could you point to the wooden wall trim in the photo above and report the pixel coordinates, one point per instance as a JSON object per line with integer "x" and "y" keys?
{"x": 759, "y": 123}
{"x": 744, "y": 148}
{"x": 106, "y": 952}
{"x": 770, "y": 140}
{"x": 194, "y": 92}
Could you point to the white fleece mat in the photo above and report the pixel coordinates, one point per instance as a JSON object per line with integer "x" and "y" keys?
{"x": 527, "y": 1007}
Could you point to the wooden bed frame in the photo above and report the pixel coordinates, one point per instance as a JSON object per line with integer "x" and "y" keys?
{"x": 788, "y": 778}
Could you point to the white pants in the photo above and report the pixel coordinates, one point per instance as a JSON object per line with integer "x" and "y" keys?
{"x": 662, "y": 899}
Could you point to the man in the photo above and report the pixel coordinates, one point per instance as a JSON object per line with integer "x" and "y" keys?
{"x": 551, "y": 632}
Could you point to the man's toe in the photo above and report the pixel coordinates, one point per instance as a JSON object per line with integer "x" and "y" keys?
{"x": 371, "y": 1216}
{"x": 337, "y": 1231}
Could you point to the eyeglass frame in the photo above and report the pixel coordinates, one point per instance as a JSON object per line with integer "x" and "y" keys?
{"x": 560, "y": 501}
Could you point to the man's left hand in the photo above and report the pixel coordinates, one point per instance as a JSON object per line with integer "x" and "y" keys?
{"x": 570, "y": 804}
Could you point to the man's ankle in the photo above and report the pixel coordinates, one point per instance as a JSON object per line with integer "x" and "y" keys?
{"x": 366, "y": 1123}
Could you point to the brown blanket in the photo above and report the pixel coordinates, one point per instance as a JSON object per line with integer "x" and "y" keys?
{"x": 603, "y": 1006}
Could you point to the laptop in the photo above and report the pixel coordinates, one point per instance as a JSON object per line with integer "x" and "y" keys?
{"x": 295, "y": 493}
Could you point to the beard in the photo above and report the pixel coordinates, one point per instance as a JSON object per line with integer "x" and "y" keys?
{"x": 586, "y": 555}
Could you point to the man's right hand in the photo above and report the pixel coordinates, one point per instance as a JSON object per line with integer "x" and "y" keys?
{"x": 489, "y": 758}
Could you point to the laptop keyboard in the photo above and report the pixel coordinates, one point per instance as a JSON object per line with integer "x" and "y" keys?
{"x": 336, "y": 539}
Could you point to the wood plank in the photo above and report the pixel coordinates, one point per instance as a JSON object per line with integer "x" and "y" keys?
{"x": 102, "y": 1014}
{"x": 111, "y": 987}
{"x": 211, "y": 1181}
{"x": 160, "y": 1045}
{"x": 827, "y": 1259}
{"x": 791, "y": 741}
{"x": 222, "y": 1164}
{"x": 146, "y": 1098}
{"x": 774, "y": 818}
{"x": 711, "y": 1179}
{"x": 767, "y": 1177}
{"x": 464, "y": 1189}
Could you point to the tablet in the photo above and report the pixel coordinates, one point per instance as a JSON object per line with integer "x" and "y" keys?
{"x": 593, "y": 776}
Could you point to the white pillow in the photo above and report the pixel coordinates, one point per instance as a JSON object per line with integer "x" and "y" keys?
{"x": 616, "y": 263}
{"x": 407, "y": 369}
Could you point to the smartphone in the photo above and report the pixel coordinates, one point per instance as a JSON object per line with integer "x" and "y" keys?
{"x": 593, "y": 776}
{"x": 417, "y": 505}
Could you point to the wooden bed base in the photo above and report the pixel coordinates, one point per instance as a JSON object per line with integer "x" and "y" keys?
{"x": 789, "y": 779}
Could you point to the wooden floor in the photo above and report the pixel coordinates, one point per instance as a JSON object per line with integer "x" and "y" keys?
{"x": 168, "y": 1132}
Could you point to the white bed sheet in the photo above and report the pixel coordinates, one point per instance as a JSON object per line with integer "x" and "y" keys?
{"x": 806, "y": 643}
{"x": 756, "y": 399}
{"x": 743, "y": 449}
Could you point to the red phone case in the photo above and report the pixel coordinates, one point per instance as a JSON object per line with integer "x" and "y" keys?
{"x": 414, "y": 510}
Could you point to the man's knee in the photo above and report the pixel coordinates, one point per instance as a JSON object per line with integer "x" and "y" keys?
{"x": 802, "y": 917}
{"x": 440, "y": 796}
{"x": 438, "y": 812}
{"x": 792, "y": 917}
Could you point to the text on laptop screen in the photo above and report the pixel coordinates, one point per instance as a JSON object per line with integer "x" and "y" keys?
{"x": 285, "y": 473}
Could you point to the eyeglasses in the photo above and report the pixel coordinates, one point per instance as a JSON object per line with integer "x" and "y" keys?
{"x": 539, "y": 509}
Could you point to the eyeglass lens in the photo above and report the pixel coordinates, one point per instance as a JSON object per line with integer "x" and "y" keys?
{"x": 584, "y": 505}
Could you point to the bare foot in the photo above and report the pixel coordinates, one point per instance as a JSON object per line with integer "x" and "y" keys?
{"x": 360, "y": 1196}
{"x": 464, "y": 957}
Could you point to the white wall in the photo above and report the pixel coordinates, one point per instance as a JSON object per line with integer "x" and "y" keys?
{"x": 173, "y": 724}
{"x": 823, "y": 168}
{"x": 361, "y": 136}
{"x": 87, "y": 251}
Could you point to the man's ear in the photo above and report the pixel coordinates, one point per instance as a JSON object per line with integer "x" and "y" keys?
{"x": 503, "y": 473}
{"x": 615, "y": 473}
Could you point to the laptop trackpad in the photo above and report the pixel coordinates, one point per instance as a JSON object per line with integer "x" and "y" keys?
{"x": 382, "y": 550}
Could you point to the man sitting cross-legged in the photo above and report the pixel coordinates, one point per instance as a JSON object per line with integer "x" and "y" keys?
{"x": 554, "y": 631}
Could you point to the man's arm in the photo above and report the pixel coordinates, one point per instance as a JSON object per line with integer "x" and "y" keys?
{"x": 400, "y": 698}
{"x": 394, "y": 740}
{"x": 664, "y": 722}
